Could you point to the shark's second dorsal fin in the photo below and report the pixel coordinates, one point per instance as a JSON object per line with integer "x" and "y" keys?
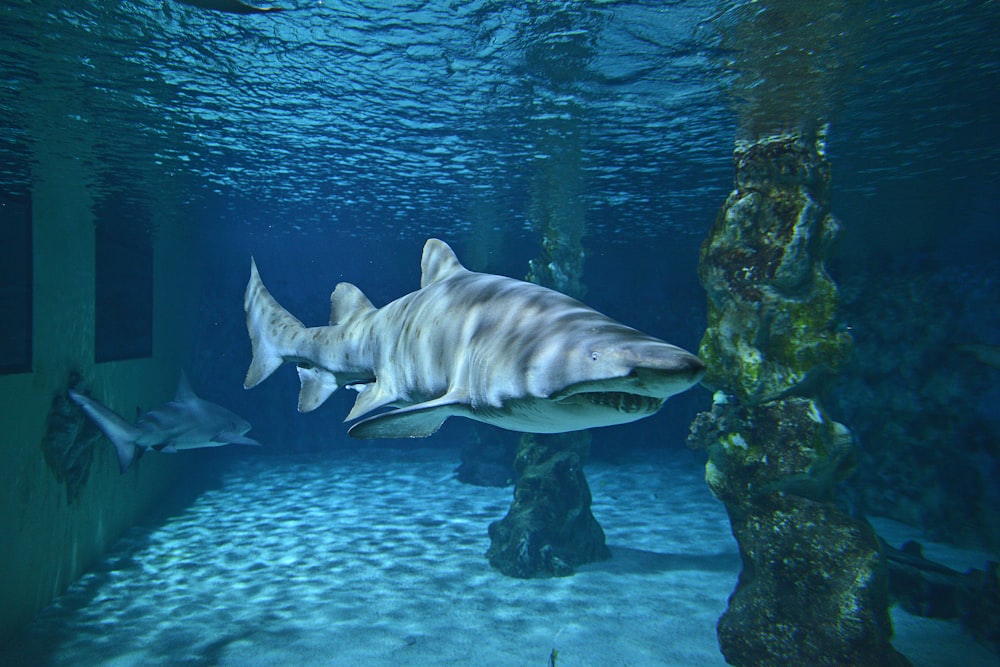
{"x": 347, "y": 301}
{"x": 438, "y": 262}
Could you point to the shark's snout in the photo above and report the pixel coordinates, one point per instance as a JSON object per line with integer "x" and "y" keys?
{"x": 648, "y": 368}
{"x": 670, "y": 370}
{"x": 687, "y": 365}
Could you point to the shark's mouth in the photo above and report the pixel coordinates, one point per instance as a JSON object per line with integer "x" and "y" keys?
{"x": 619, "y": 401}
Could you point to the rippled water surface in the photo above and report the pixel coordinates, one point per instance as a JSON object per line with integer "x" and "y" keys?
{"x": 430, "y": 116}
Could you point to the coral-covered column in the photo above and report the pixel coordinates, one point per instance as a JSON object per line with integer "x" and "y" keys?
{"x": 813, "y": 588}
{"x": 549, "y": 529}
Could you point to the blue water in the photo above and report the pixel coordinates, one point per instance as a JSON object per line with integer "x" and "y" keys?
{"x": 404, "y": 118}
{"x": 331, "y": 140}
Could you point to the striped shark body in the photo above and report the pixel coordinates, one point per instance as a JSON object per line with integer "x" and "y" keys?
{"x": 476, "y": 345}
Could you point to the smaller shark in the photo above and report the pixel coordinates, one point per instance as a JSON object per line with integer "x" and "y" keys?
{"x": 187, "y": 422}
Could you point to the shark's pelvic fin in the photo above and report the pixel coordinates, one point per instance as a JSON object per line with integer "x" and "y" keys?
{"x": 415, "y": 421}
{"x": 372, "y": 398}
{"x": 271, "y": 328}
{"x": 232, "y": 438}
{"x": 122, "y": 434}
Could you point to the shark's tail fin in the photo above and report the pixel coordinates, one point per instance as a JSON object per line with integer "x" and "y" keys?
{"x": 270, "y": 327}
{"x": 122, "y": 434}
{"x": 278, "y": 337}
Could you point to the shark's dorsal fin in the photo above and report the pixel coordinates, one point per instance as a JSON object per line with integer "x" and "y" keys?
{"x": 438, "y": 262}
{"x": 348, "y": 301}
{"x": 184, "y": 390}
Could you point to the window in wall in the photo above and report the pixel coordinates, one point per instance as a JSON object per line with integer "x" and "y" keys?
{"x": 15, "y": 283}
{"x": 123, "y": 327}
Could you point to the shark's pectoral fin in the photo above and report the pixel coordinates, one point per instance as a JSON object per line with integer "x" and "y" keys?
{"x": 415, "y": 421}
{"x": 229, "y": 438}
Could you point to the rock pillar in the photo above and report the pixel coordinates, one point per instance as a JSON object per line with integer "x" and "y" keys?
{"x": 549, "y": 529}
{"x": 813, "y": 589}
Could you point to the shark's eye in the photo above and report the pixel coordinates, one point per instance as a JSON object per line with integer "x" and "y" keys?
{"x": 594, "y": 356}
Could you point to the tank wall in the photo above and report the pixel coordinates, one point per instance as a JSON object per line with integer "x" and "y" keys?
{"x": 49, "y": 540}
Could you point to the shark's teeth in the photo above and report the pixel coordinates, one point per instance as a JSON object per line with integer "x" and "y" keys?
{"x": 622, "y": 401}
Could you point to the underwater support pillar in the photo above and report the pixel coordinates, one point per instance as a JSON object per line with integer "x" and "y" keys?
{"x": 813, "y": 589}
{"x": 549, "y": 529}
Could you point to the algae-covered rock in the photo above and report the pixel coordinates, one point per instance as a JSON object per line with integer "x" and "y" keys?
{"x": 772, "y": 306}
{"x": 68, "y": 443}
{"x": 813, "y": 589}
{"x": 787, "y": 446}
{"x": 549, "y": 529}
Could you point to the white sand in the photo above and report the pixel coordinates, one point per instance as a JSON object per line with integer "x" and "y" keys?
{"x": 376, "y": 557}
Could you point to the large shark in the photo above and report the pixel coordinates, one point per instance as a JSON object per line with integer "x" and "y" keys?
{"x": 187, "y": 422}
{"x": 486, "y": 347}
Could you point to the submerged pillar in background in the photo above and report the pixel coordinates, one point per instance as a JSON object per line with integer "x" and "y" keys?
{"x": 549, "y": 529}
{"x": 813, "y": 589}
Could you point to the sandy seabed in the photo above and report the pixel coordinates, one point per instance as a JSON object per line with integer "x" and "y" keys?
{"x": 376, "y": 557}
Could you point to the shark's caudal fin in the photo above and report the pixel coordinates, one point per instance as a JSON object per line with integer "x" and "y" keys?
{"x": 272, "y": 330}
{"x": 119, "y": 432}
{"x": 277, "y": 337}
